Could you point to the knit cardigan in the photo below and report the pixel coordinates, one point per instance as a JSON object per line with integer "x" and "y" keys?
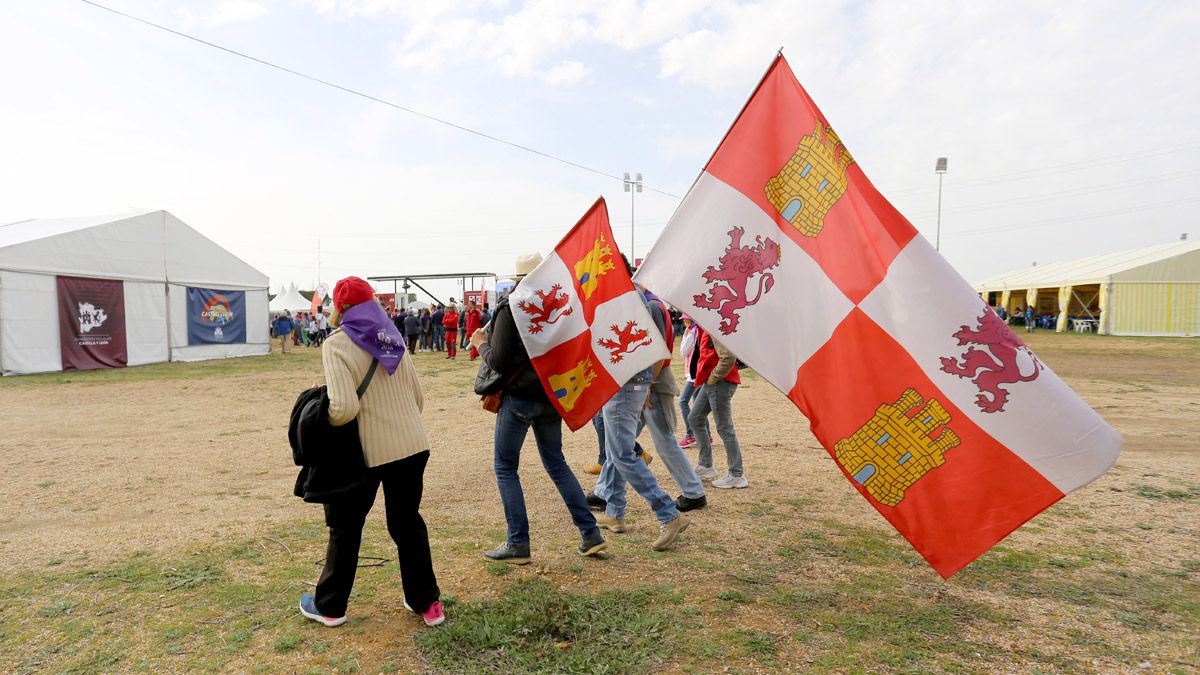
{"x": 389, "y": 414}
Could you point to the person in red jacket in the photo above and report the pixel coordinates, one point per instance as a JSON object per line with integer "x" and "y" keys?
{"x": 474, "y": 323}
{"x": 450, "y": 323}
{"x": 718, "y": 372}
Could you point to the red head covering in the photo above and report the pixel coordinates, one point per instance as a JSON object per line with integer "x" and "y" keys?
{"x": 351, "y": 291}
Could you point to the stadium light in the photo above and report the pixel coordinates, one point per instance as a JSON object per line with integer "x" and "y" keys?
{"x": 632, "y": 187}
{"x": 940, "y": 170}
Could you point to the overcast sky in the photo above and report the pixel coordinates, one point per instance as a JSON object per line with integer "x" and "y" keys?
{"x": 1070, "y": 126}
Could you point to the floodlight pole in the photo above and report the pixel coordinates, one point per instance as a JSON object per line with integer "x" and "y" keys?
{"x": 940, "y": 170}
{"x": 633, "y": 187}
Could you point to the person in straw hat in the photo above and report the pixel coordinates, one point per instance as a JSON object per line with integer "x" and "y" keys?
{"x": 395, "y": 449}
{"x": 525, "y": 406}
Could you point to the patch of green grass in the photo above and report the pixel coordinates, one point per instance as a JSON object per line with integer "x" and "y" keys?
{"x": 286, "y": 643}
{"x": 733, "y": 596}
{"x": 1172, "y": 495}
{"x": 535, "y": 628}
{"x": 498, "y": 569}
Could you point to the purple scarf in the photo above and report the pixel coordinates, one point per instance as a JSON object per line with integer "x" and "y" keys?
{"x": 370, "y": 328}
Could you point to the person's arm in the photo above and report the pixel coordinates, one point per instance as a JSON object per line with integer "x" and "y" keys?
{"x": 725, "y": 363}
{"x": 501, "y": 350}
{"x": 415, "y": 383}
{"x": 343, "y": 390}
{"x": 656, "y": 315}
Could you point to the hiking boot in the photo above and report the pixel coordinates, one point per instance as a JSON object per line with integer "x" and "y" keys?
{"x": 706, "y": 472}
{"x": 433, "y": 616}
{"x": 512, "y": 554}
{"x": 729, "y": 481}
{"x": 611, "y": 523}
{"x": 595, "y": 502}
{"x": 688, "y": 441}
{"x": 308, "y": 607}
{"x": 684, "y": 503}
{"x": 592, "y": 546}
{"x": 594, "y": 469}
{"x": 646, "y": 457}
{"x": 669, "y": 531}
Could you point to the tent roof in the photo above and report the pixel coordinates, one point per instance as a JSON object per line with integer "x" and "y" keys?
{"x": 142, "y": 246}
{"x": 290, "y": 300}
{"x": 1090, "y": 270}
{"x": 39, "y": 228}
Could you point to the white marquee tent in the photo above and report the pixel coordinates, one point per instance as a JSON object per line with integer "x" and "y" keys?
{"x": 157, "y": 258}
{"x": 1146, "y": 291}
{"x": 291, "y": 300}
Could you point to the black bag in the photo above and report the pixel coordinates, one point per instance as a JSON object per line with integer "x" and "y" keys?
{"x": 331, "y": 457}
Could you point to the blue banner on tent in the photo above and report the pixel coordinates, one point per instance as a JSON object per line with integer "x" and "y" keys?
{"x": 216, "y": 317}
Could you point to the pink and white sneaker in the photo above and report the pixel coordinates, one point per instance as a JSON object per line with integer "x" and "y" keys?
{"x": 688, "y": 441}
{"x": 434, "y": 616}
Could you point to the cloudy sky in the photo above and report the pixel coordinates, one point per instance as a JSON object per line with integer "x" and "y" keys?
{"x": 1070, "y": 126}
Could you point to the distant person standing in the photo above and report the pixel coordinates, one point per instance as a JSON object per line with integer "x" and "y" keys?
{"x": 283, "y": 330}
{"x": 450, "y": 323}
{"x": 1029, "y": 319}
{"x": 439, "y": 331}
{"x": 412, "y": 330}
{"x": 462, "y": 327}
{"x": 474, "y": 323}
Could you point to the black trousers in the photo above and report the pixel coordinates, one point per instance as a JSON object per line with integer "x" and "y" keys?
{"x": 402, "y": 482}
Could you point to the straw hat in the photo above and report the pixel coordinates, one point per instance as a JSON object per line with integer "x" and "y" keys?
{"x": 527, "y": 262}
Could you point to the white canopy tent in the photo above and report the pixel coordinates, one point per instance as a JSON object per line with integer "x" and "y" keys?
{"x": 291, "y": 300}
{"x": 157, "y": 258}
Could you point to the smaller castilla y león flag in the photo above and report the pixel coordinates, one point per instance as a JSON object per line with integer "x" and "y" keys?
{"x": 933, "y": 409}
{"x": 582, "y": 321}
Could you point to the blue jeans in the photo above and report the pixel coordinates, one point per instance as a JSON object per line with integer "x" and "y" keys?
{"x": 661, "y": 421}
{"x": 598, "y": 423}
{"x": 439, "y": 337}
{"x": 717, "y": 398}
{"x": 622, "y": 414}
{"x": 513, "y": 420}
{"x": 690, "y": 390}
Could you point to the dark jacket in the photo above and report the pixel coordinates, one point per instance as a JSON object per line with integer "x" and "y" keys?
{"x": 506, "y": 354}
{"x": 331, "y": 457}
{"x": 412, "y": 325}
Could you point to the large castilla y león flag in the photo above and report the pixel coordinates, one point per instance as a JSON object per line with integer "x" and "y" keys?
{"x": 930, "y": 405}
{"x": 583, "y": 322}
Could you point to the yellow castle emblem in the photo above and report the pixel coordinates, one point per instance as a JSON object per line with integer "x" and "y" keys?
{"x": 597, "y": 263}
{"x": 895, "y": 448}
{"x": 569, "y": 385}
{"x": 812, "y": 180}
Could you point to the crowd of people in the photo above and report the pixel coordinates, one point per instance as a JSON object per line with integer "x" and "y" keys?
{"x": 441, "y": 328}
{"x": 305, "y": 329}
{"x": 367, "y": 383}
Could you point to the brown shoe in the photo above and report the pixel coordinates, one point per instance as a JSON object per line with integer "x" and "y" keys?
{"x": 610, "y": 523}
{"x": 647, "y": 457}
{"x": 667, "y": 532}
{"x": 594, "y": 469}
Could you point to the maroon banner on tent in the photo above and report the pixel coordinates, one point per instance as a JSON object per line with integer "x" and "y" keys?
{"x": 91, "y": 323}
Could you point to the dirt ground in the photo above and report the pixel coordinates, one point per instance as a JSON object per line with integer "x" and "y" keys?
{"x": 101, "y": 469}
{"x": 100, "y": 466}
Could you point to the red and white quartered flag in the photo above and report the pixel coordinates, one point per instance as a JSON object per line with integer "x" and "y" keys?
{"x": 934, "y": 410}
{"x": 582, "y": 321}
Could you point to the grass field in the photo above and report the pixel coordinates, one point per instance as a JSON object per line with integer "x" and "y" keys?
{"x": 149, "y": 527}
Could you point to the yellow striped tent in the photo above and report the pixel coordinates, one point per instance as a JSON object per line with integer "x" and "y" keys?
{"x": 1147, "y": 291}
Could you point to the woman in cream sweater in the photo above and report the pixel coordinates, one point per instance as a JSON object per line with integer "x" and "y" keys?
{"x": 395, "y": 448}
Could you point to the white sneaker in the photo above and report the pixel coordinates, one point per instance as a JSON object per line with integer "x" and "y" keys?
{"x": 729, "y": 481}
{"x": 706, "y": 472}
